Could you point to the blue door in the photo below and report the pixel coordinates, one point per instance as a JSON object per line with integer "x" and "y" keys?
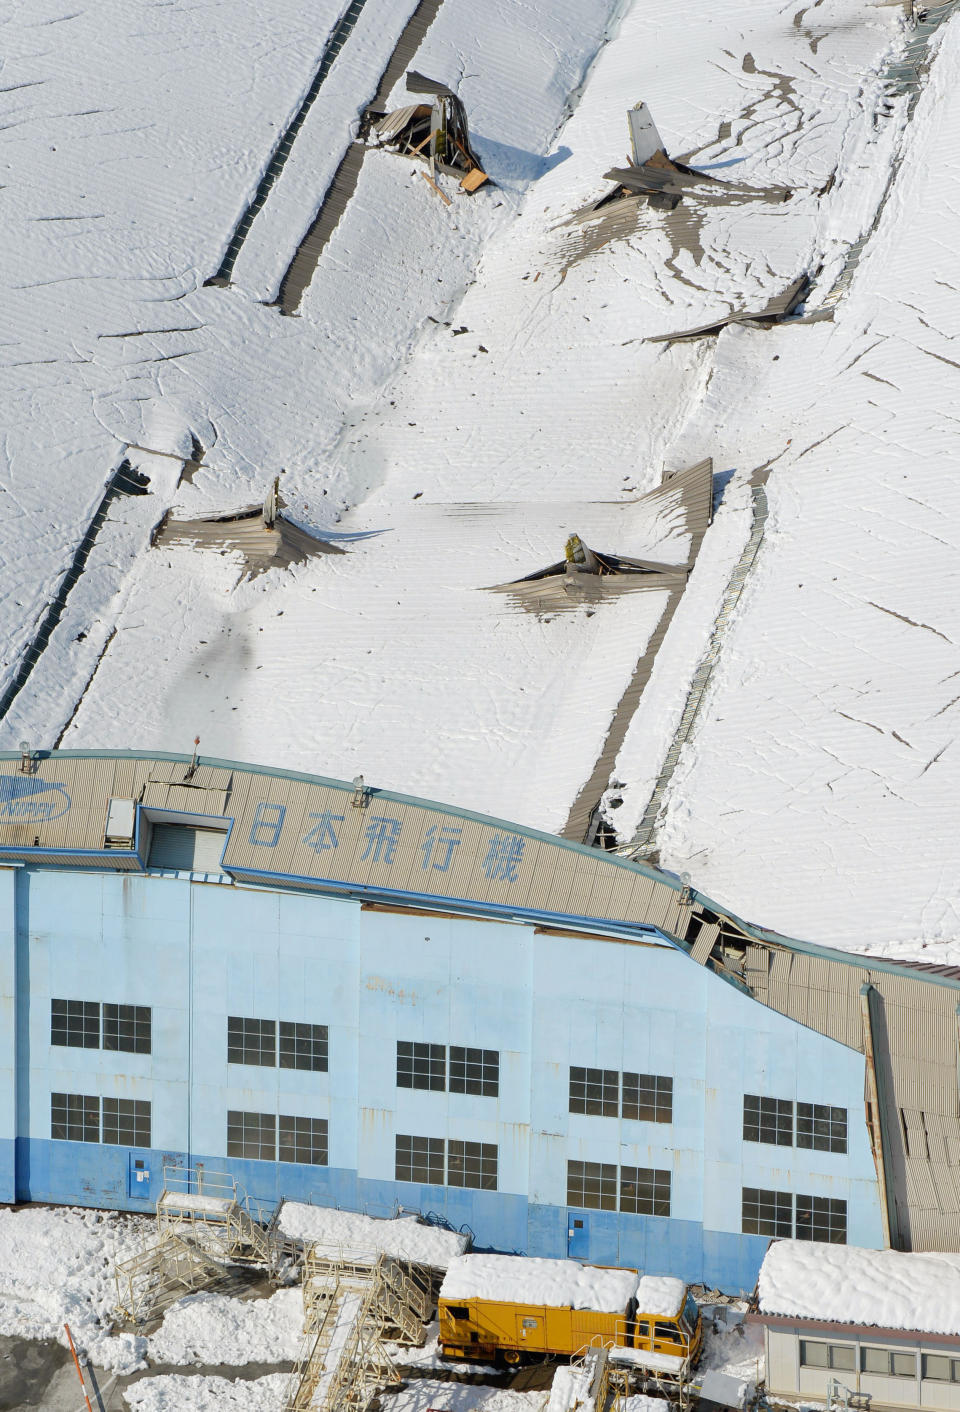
{"x": 141, "y": 1178}
{"x": 578, "y": 1235}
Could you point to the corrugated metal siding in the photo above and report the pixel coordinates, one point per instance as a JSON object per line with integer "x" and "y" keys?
{"x": 185, "y": 849}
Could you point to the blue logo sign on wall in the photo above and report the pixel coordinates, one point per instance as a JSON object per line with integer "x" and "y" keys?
{"x": 28, "y": 801}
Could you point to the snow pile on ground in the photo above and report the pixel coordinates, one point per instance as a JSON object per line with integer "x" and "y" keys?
{"x": 56, "y": 1268}
{"x": 518, "y": 1279}
{"x": 403, "y": 1236}
{"x": 172, "y": 1392}
{"x": 733, "y": 1360}
{"x": 846, "y": 1285}
{"x": 422, "y": 1394}
{"x": 571, "y": 1388}
{"x": 660, "y": 1294}
{"x": 213, "y": 1328}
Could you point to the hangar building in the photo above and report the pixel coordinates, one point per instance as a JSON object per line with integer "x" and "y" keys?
{"x": 349, "y": 996}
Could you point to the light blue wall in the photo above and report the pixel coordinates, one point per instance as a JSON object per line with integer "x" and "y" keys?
{"x": 197, "y": 953}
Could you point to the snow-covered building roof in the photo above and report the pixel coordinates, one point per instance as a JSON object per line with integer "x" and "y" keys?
{"x": 559, "y": 1284}
{"x": 842, "y": 1284}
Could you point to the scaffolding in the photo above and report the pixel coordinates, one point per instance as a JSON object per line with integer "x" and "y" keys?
{"x": 354, "y": 1302}
{"x": 212, "y": 1212}
{"x": 205, "y": 1224}
{"x": 159, "y": 1275}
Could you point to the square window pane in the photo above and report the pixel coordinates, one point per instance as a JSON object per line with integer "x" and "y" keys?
{"x": 127, "y": 1028}
{"x": 472, "y": 1164}
{"x": 875, "y": 1360}
{"x": 303, "y": 1046}
{"x": 421, "y": 1066}
{"x": 814, "y": 1355}
{"x": 843, "y": 1356}
{"x": 595, "y": 1091}
{"x": 645, "y": 1191}
{"x": 937, "y": 1367}
{"x": 648, "y": 1097}
{"x": 302, "y": 1140}
{"x": 904, "y": 1365}
{"x": 475, "y": 1071}
{"x": 75, "y": 1023}
{"x": 251, "y": 1041}
{"x": 768, "y": 1213}
{"x": 592, "y": 1185}
{"x": 126, "y": 1122}
{"x": 75, "y": 1117}
{"x": 419, "y": 1159}
{"x": 252, "y": 1135}
{"x": 768, "y": 1120}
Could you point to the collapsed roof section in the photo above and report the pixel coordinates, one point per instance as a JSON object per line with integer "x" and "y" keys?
{"x": 680, "y": 506}
{"x": 664, "y": 182}
{"x": 261, "y": 534}
{"x": 436, "y": 132}
{"x": 782, "y": 306}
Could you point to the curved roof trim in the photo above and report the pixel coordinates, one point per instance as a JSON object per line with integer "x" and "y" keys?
{"x": 307, "y": 830}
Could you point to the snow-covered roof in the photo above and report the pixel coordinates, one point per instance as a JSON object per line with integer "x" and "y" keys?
{"x": 844, "y": 1284}
{"x": 559, "y": 1284}
{"x": 359, "y": 1236}
{"x": 660, "y": 1294}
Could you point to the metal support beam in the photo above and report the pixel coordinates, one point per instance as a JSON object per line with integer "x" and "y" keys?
{"x": 869, "y": 1000}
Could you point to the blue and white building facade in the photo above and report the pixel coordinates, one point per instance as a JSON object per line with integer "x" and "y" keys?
{"x": 556, "y": 1085}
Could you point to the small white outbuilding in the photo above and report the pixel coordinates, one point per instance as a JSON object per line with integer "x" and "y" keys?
{"x": 880, "y": 1327}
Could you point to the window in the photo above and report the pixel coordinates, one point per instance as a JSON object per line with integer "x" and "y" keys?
{"x": 472, "y": 1164}
{"x": 127, "y": 1027}
{"x": 251, "y": 1041}
{"x": 668, "y": 1333}
{"x": 126, "y": 1122}
{"x": 645, "y": 1191}
{"x": 75, "y": 1023}
{"x": 827, "y": 1355}
{"x": 595, "y": 1091}
{"x": 421, "y": 1065}
{"x": 888, "y": 1363}
{"x": 252, "y": 1135}
{"x": 475, "y": 1071}
{"x": 768, "y": 1213}
{"x": 303, "y": 1046}
{"x": 821, "y": 1218}
{"x": 768, "y": 1120}
{"x": 303, "y": 1140}
{"x": 75, "y": 1117}
{"x": 592, "y": 1185}
{"x": 648, "y": 1097}
{"x": 939, "y": 1368}
{"x": 419, "y": 1159}
{"x": 821, "y": 1127}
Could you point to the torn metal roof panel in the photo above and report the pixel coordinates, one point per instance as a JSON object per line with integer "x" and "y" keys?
{"x": 781, "y": 306}
{"x": 419, "y": 83}
{"x": 262, "y": 546}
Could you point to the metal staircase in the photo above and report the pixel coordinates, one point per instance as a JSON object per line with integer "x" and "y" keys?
{"x": 158, "y": 1276}
{"x": 213, "y": 1212}
{"x": 353, "y": 1302}
{"x": 205, "y": 1223}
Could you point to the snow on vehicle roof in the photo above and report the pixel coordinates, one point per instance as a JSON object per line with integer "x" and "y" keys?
{"x": 660, "y": 1294}
{"x": 561, "y": 1284}
{"x": 361, "y": 1235}
{"x": 847, "y": 1285}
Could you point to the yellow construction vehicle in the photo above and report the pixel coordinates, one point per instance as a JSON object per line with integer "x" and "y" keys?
{"x": 511, "y": 1307}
